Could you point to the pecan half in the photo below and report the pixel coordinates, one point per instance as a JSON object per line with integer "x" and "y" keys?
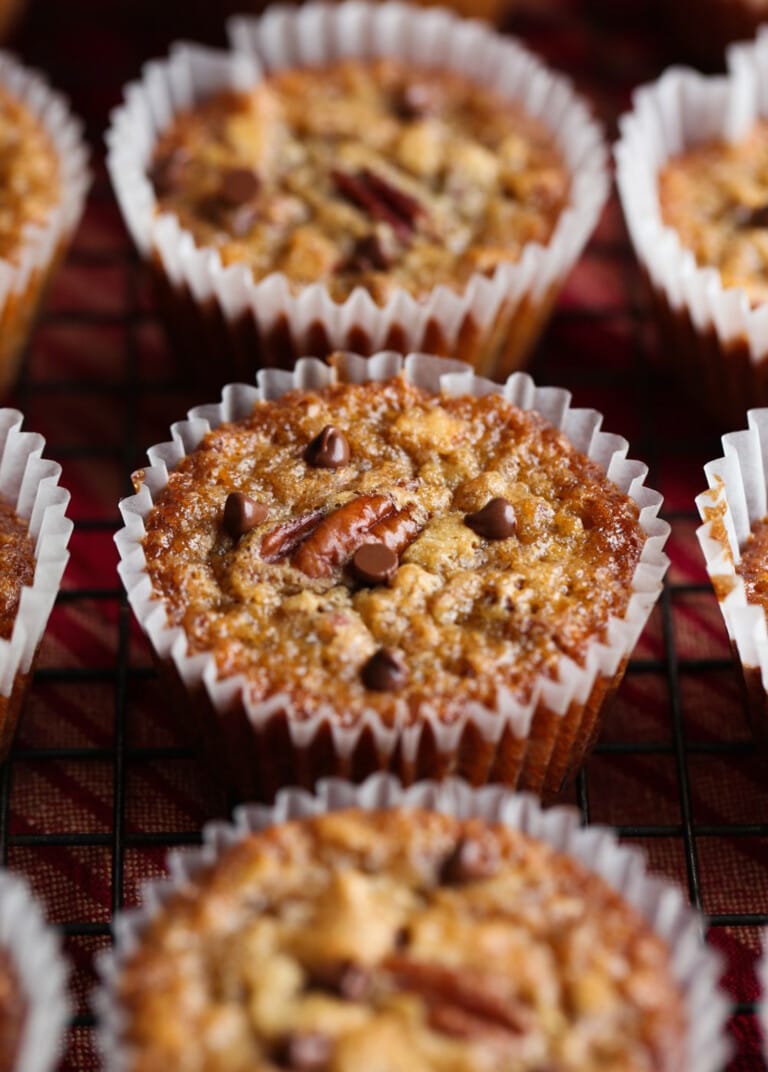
{"x": 399, "y": 201}
{"x": 473, "y": 993}
{"x": 339, "y": 534}
{"x": 398, "y": 530}
{"x": 358, "y": 189}
{"x": 284, "y": 539}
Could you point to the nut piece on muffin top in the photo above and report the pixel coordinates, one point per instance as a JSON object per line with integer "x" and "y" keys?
{"x": 362, "y": 173}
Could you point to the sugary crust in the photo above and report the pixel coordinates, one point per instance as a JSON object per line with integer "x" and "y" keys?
{"x": 468, "y": 178}
{"x": 716, "y": 197}
{"x": 17, "y": 555}
{"x": 753, "y": 566}
{"x": 469, "y": 615}
{"x": 408, "y": 938}
{"x": 29, "y": 174}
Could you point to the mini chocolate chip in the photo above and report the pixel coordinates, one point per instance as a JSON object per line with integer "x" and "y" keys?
{"x": 374, "y": 563}
{"x": 496, "y": 520}
{"x": 368, "y": 255}
{"x": 416, "y": 101}
{"x": 328, "y": 450}
{"x": 242, "y": 513}
{"x": 307, "y": 1052}
{"x": 238, "y": 185}
{"x": 469, "y": 861}
{"x": 747, "y": 218}
{"x": 385, "y": 671}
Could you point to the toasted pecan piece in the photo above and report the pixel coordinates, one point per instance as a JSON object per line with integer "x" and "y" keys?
{"x": 340, "y": 533}
{"x": 281, "y": 541}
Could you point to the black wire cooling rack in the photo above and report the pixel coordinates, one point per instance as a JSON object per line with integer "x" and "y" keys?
{"x": 98, "y": 787}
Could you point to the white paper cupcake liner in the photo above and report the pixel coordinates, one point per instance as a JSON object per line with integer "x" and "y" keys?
{"x": 736, "y": 499}
{"x": 23, "y": 281}
{"x": 533, "y": 745}
{"x": 30, "y": 483}
{"x": 715, "y": 339}
{"x": 695, "y": 967}
{"x": 34, "y": 950}
{"x": 492, "y": 322}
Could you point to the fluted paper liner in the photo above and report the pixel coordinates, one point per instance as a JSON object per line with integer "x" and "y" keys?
{"x": 532, "y": 745}
{"x": 30, "y": 483}
{"x": 713, "y": 337}
{"x": 34, "y": 951}
{"x": 23, "y": 281}
{"x": 736, "y": 499}
{"x": 493, "y": 322}
{"x": 695, "y": 968}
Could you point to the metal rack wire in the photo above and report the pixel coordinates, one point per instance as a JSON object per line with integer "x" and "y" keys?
{"x": 98, "y": 786}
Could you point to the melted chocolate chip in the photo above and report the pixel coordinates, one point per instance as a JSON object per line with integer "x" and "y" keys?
{"x": 328, "y": 450}
{"x": 385, "y": 671}
{"x": 242, "y": 513}
{"x": 374, "y": 563}
{"x": 368, "y": 255}
{"x": 238, "y": 185}
{"x": 355, "y": 982}
{"x": 751, "y": 217}
{"x": 307, "y": 1052}
{"x": 469, "y": 861}
{"x": 242, "y": 219}
{"x": 496, "y": 520}
{"x": 415, "y": 101}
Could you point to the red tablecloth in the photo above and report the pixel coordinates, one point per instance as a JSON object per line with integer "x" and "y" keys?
{"x": 99, "y": 786}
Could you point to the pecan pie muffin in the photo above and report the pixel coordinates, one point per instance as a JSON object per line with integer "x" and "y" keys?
{"x": 432, "y": 197}
{"x": 13, "y": 1013}
{"x": 398, "y": 940}
{"x": 390, "y": 577}
{"x": 17, "y": 558}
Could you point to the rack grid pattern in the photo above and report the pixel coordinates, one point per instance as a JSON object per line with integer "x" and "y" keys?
{"x": 99, "y": 786}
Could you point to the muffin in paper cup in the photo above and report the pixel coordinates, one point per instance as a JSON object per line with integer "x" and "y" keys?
{"x": 27, "y": 266}
{"x": 30, "y": 491}
{"x": 714, "y": 335}
{"x": 236, "y": 321}
{"x": 35, "y": 1005}
{"x": 491, "y": 728}
{"x": 736, "y": 502}
{"x": 418, "y": 956}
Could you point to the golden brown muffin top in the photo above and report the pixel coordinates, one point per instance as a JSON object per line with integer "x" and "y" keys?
{"x": 17, "y": 565}
{"x": 368, "y": 173}
{"x": 29, "y": 174}
{"x": 500, "y": 548}
{"x": 753, "y": 566}
{"x": 716, "y": 197}
{"x": 400, "y": 941}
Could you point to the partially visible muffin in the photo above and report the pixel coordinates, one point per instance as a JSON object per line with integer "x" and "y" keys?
{"x": 13, "y": 1013}
{"x": 17, "y": 568}
{"x": 398, "y": 940}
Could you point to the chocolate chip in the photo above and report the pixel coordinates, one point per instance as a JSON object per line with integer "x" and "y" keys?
{"x": 328, "y": 450}
{"x": 469, "y": 861}
{"x": 355, "y": 982}
{"x": 374, "y": 563}
{"x": 242, "y": 513}
{"x": 751, "y": 217}
{"x": 496, "y": 520}
{"x": 415, "y": 101}
{"x": 385, "y": 671}
{"x": 166, "y": 171}
{"x": 238, "y": 185}
{"x": 307, "y": 1052}
{"x": 368, "y": 255}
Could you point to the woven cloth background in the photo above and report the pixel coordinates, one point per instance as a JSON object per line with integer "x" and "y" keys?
{"x": 99, "y": 786}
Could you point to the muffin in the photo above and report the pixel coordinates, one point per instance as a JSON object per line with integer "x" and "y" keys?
{"x": 690, "y": 166}
{"x": 43, "y": 181}
{"x": 433, "y": 197}
{"x": 34, "y": 533}
{"x": 480, "y": 935}
{"x": 734, "y": 540}
{"x": 379, "y": 574}
{"x": 34, "y": 1006}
